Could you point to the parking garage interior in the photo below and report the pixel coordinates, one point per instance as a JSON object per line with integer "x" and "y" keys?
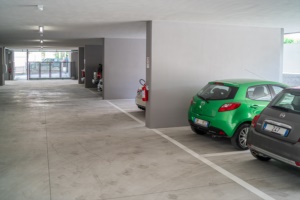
{"x": 62, "y": 138}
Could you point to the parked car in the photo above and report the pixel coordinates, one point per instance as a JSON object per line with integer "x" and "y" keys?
{"x": 138, "y": 99}
{"x": 97, "y": 78}
{"x": 83, "y": 75}
{"x": 275, "y": 133}
{"x": 225, "y": 108}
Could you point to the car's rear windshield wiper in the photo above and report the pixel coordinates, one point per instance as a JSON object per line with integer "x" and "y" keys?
{"x": 203, "y": 98}
{"x": 281, "y": 108}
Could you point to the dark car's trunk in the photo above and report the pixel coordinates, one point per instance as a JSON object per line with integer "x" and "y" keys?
{"x": 281, "y": 124}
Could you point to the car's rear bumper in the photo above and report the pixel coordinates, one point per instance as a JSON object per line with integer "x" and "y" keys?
{"x": 274, "y": 148}
{"x": 272, "y": 155}
{"x": 210, "y": 130}
{"x": 140, "y": 103}
{"x": 95, "y": 81}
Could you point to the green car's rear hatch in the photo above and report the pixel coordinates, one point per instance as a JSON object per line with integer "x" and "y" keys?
{"x": 214, "y": 95}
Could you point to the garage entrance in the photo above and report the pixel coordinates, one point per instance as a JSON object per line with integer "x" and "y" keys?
{"x": 49, "y": 69}
{"x": 31, "y": 65}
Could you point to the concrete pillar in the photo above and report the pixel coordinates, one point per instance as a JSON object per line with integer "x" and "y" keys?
{"x": 93, "y": 56}
{"x": 185, "y": 56}
{"x": 80, "y": 63}
{"x": 124, "y": 65}
{"x": 74, "y": 65}
{"x": 9, "y": 61}
{"x": 2, "y": 67}
{"x": 12, "y": 64}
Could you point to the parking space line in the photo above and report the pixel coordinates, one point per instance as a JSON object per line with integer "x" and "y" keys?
{"x": 226, "y": 173}
{"x": 126, "y": 113}
{"x": 224, "y": 154}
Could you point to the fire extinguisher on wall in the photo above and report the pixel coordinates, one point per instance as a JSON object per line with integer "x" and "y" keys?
{"x": 145, "y": 91}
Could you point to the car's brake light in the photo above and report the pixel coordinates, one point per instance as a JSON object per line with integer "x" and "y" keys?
{"x": 192, "y": 101}
{"x": 297, "y": 163}
{"x": 218, "y": 83}
{"x": 229, "y": 106}
{"x": 254, "y": 121}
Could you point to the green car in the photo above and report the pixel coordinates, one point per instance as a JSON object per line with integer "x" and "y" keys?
{"x": 225, "y": 108}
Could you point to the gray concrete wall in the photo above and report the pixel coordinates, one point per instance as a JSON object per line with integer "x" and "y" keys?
{"x": 291, "y": 59}
{"x": 291, "y": 79}
{"x": 185, "y": 56}
{"x": 124, "y": 65}
{"x": 74, "y": 64}
{"x": 80, "y": 63}
{"x": 93, "y": 55}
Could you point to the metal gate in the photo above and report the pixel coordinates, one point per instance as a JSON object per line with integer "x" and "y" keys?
{"x": 49, "y": 70}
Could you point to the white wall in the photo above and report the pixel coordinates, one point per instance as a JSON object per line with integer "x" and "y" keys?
{"x": 185, "y": 56}
{"x": 124, "y": 65}
{"x": 291, "y": 59}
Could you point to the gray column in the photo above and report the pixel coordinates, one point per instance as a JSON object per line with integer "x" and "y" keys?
{"x": 9, "y": 65}
{"x": 124, "y": 65}
{"x": 149, "y": 120}
{"x": 185, "y": 56}
{"x": 80, "y": 63}
{"x": 2, "y": 67}
{"x": 12, "y": 64}
{"x": 74, "y": 65}
{"x": 93, "y": 55}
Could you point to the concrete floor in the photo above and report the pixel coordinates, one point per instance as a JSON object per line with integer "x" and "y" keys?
{"x": 60, "y": 141}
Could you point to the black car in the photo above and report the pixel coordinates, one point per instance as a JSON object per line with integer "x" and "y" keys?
{"x": 275, "y": 133}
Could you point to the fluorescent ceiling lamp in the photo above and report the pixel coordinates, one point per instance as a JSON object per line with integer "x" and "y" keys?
{"x": 41, "y": 29}
{"x": 42, "y": 41}
{"x": 40, "y": 7}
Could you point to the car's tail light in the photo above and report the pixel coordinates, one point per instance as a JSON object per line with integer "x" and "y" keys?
{"x": 229, "y": 106}
{"x": 297, "y": 163}
{"x": 254, "y": 121}
{"x": 218, "y": 83}
{"x": 192, "y": 101}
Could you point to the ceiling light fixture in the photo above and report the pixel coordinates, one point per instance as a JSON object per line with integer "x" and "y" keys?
{"x": 40, "y": 7}
{"x": 42, "y": 41}
{"x": 41, "y": 29}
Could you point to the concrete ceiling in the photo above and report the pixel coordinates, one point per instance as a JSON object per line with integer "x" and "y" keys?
{"x": 73, "y": 23}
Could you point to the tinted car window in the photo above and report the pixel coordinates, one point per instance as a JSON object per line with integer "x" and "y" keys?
{"x": 259, "y": 92}
{"x": 288, "y": 101}
{"x": 217, "y": 92}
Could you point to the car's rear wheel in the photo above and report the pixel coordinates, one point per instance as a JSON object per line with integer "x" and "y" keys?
{"x": 260, "y": 156}
{"x": 141, "y": 107}
{"x": 239, "y": 139}
{"x": 195, "y": 130}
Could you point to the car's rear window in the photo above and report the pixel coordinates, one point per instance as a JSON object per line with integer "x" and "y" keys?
{"x": 287, "y": 101}
{"x": 217, "y": 92}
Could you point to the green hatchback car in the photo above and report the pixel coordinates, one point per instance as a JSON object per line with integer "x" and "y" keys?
{"x": 225, "y": 108}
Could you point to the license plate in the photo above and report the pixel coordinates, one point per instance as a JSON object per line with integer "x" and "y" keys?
{"x": 201, "y": 122}
{"x": 276, "y": 129}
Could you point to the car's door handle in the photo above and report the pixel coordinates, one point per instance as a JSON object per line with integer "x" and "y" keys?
{"x": 254, "y": 106}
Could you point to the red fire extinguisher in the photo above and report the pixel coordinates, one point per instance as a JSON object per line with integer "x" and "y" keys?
{"x": 145, "y": 92}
